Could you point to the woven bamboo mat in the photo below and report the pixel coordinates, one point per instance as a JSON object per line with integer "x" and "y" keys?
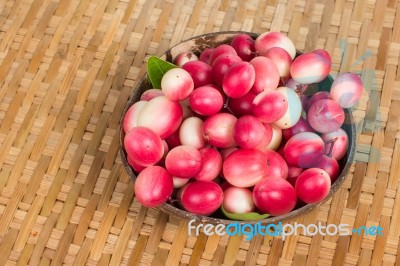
{"x": 66, "y": 71}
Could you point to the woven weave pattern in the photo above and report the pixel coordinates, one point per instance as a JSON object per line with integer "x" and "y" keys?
{"x": 66, "y": 71}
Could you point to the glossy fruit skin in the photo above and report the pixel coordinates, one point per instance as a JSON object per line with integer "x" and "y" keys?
{"x": 186, "y": 110}
{"x": 166, "y": 150}
{"x": 324, "y": 53}
{"x": 238, "y": 80}
{"x": 153, "y": 186}
{"x": 277, "y": 164}
{"x": 270, "y": 106}
{"x": 177, "y": 84}
{"x": 249, "y": 132}
{"x": 185, "y": 57}
{"x": 310, "y": 67}
{"x": 132, "y": 114}
{"x": 190, "y": 132}
{"x": 321, "y": 95}
{"x": 244, "y": 46}
{"x": 183, "y": 161}
{"x": 340, "y": 142}
{"x": 281, "y": 59}
{"x": 238, "y": 200}
{"x": 275, "y": 196}
{"x": 221, "y": 66}
{"x": 179, "y": 182}
{"x": 173, "y": 140}
{"x": 267, "y": 40}
{"x": 245, "y": 167}
{"x": 293, "y": 112}
{"x": 293, "y": 173}
{"x": 266, "y": 74}
{"x": 150, "y": 94}
{"x": 276, "y": 138}
{"x": 206, "y": 100}
{"x": 301, "y": 126}
{"x": 304, "y": 150}
{"x": 313, "y": 185}
{"x": 299, "y": 88}
{"x": 206, "y": 55}
{"x": 167, "y": 113}
{"x": 202, "y": 197}
{"x": 329, "y": 165}
{"x": 347, "y": 89}
{"x": 218, "y": 130}
{"x": 325, "y": 116}
{"x": 220, "y": 50}
{"x": 268, "y": 136}
{"x": 242, "y": 105}
{"x": 143, "y": 146}
{"x": 227, "y": 151}
{"x": 211, "y": 166}
{"x": 200, "y": 73}
{"x": 135, "y": 166}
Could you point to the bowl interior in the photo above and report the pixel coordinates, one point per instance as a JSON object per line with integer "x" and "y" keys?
{"x": 196, "y": 45}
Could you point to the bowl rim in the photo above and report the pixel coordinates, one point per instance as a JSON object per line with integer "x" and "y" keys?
{"x": 182, "y": 214}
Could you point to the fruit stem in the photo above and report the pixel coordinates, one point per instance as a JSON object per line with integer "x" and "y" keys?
{"x": 226, "y": 105}
{"x": 283, "y": 81}
{"x": 332, "y": 142}
{"x": 300, "y": 89}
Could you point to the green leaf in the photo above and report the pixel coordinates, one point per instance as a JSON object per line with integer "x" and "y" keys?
{"x": 156, "y": 68}
{"x": 250, "y": 216}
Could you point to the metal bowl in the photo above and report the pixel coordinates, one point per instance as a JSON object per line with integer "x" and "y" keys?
{"x": 196, "y": 45}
